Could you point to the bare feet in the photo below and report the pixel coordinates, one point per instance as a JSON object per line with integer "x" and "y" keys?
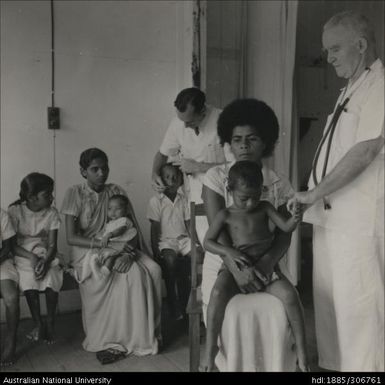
{"x": 302, "y": 363}
{"x": 206, "y": 368}
{"x": 50, "y": 335}
{"x": 37, "y": 334}
{"x": 8, "y": 356}
{"x": 207, "y": 364}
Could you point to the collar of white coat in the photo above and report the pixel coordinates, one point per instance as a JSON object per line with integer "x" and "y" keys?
{"x": 375, "y": 67}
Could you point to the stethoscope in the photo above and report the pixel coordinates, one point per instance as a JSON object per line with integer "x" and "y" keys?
{"x": 328, "y": 135}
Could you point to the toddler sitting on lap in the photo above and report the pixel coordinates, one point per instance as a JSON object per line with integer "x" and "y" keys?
{"x": 119, "y": 228}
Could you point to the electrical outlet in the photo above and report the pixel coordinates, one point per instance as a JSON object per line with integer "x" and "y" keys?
{"x": 53, "y": 118}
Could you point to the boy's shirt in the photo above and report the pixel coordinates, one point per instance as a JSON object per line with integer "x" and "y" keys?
{"x": 6, "y": 231}
{"x": 171, "y": 215}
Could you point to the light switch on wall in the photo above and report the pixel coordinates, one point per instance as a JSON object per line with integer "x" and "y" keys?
{"x": 53, "y": 118}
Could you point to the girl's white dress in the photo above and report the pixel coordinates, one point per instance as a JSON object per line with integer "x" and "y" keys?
{"x": 32, "y": 229}
{"x": 7, "y": 267}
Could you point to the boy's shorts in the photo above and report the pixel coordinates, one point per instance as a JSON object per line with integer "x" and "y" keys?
{"x": 181, "y": 246}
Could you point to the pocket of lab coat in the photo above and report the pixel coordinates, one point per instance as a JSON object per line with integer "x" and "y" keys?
{"x": 346, "y": 130}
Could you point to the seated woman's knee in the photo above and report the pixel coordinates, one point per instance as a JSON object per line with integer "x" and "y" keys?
{"x": 153, "y": 267}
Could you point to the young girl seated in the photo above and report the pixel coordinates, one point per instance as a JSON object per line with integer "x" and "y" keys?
{"x": 36, "y": 224}
{"x": 169, "y": 215}
{"x": 119, "y": 228}
{"x": 247, "y": 224}
{"x": 8, "y": 289}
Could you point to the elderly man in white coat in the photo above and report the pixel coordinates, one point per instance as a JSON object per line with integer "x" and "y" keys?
{"x": 346, "y": 205}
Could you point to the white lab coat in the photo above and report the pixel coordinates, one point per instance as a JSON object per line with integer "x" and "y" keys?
{"x": 348, "y": 243}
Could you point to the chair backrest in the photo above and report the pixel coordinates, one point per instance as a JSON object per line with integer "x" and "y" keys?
{"x": 194, "y": 259}
{"x": 194, "y": 306}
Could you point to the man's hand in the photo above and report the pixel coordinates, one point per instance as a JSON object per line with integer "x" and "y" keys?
{"x": 189, "y": 166}
{"x": 306, "y": 198}
{"x": 298, "y": 211}
{"x": 157, "y": 184}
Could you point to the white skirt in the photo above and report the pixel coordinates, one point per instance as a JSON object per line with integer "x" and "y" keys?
{"x": 256, "y": 335}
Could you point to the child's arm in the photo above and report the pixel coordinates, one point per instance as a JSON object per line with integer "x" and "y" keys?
{"x": 42, "y": 268}
{"x": 155, "y": 238}
{"x": 286, "y": 225}
{"x": 52, "y": 246}
{"x": 73, "y": 237}
{"x": 112, "y": 234}
{"x": 21, "y": 252}
{"x": 5, "y": 249}
{"x": 230, "y": 255}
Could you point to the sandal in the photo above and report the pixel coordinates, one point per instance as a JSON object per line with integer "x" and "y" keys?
{"x": 109, "y": 356}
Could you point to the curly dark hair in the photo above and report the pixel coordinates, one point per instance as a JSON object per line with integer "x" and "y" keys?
{"x": 246, "y": 172}
{"x": 249, "y": 112}
{"x": 87, "y": 156}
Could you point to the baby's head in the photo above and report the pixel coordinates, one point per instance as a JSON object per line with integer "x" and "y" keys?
{"x": 171, "y": 176}
{"x": 245, "y": 184}
{"x": 117, "y": 207}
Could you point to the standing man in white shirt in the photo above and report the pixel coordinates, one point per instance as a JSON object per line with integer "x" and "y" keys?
{"x": 346, "y": 199}
{"x": 191, "y": 141}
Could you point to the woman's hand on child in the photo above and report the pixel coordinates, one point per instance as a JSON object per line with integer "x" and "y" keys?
{"x": 265, "y": 266}
{"x": 123, "y": 263}
{"x": 239, "y": 258}
{"x": 247, "y": 280}
{"x": 130, "y": 250}
{"x": 105, "y": 239}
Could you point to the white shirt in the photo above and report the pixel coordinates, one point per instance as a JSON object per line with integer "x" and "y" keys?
{"x": 204, "y": 147}
{"x": 171, "y": 215}
{"x": 6, "y": 230}
{"x": 358, "y": 206}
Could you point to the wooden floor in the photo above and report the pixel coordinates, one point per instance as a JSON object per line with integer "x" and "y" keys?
{"x": 67, "y": 354}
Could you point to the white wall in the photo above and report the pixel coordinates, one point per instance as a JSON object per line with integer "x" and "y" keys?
{"x": 119, "y": 66}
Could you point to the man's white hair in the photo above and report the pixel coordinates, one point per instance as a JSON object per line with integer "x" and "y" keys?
{"x": 356, "y": 22}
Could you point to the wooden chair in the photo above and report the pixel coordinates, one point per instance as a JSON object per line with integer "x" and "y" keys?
{"x": 194, "y": 306}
